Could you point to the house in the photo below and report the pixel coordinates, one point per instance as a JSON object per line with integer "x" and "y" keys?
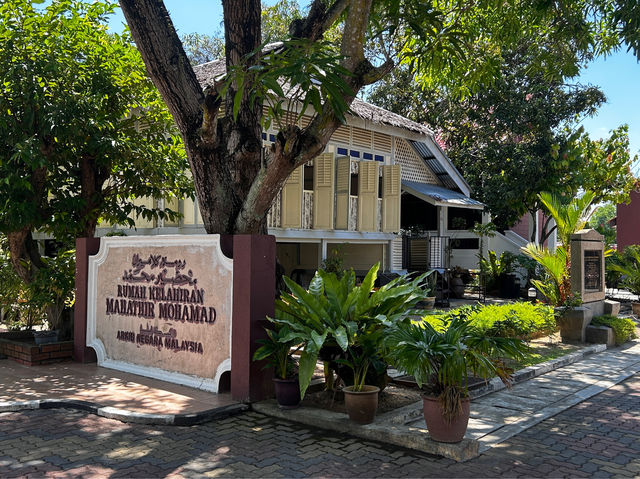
{"x": 627, "y": 225}
{"x": 380, "y": 175}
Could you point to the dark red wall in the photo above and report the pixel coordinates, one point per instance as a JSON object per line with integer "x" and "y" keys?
{"x": 628, "y": 222}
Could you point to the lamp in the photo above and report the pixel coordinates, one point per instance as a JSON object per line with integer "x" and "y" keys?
{"x": 531, "y": 294}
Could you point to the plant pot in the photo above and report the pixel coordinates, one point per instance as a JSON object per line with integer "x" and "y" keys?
{"x": 635, "y": 307}
{"x": 45, "y": 337}
{"x": 287, "y": 392}
{"x": 439, "y": 429}
{"x": 457, "y": 287}
{"x": 361, "y": 405}
{"x": 429, "y": 302}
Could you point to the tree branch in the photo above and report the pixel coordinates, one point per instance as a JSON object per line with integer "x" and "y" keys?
{"x": 166, "y": 61}
{"x": 318, "y": 21}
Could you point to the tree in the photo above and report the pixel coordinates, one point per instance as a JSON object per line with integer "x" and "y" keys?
{"x": 203, "y": 48}
{"x": 504, "y": 138}
{"x": 570, "y": 216}
{"x": 83, "y": 131}
{"x": 600, "y": 222}
{"x": 451, "y": 42}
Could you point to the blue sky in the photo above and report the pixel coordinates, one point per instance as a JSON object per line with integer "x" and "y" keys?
{"x": 617, "y": 75}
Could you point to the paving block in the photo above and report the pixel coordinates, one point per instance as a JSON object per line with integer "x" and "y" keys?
{"x": 611, "y": 307}
{"x": 600, "y": 335}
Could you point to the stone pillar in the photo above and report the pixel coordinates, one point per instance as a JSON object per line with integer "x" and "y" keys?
{"x": 587, "y": 269}
{"x": 253, "y": 300}
{"x": 85, "y": 247}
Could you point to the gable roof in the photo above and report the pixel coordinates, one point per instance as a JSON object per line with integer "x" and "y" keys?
{"x": 429, "y": 151}
{"x": 207, "y": 73}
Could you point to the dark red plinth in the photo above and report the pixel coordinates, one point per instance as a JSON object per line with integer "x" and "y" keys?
{"x": 254, "y": 270}
{"x": 85, "y": 247}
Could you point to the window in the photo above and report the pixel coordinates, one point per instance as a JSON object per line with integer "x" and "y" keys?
{"x": 308, "y": 178}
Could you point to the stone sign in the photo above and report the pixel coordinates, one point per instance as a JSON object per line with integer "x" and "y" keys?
{"x": 160, "y": 306}
{"x": 587, "y": 267}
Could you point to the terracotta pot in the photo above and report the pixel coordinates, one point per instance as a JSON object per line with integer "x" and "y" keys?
{"x": 429, "y": 302}
{"x": 457, "y": 287}
{"x": 361, "y": 405}
{"x": 287, "y": 392}
{"x": 635, "y": 307}
{"x": 439, "y": 429}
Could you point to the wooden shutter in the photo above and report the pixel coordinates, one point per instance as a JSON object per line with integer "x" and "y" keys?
{"x": 142, "y": 222}
{"x": 343, "y": 184}
{"x": 292, "y": 200}
{"x": 367, "y": 195}
{"x": 173, "y": 205}
{"x": 391, "y": 190}
{"x": 323, "y": 178}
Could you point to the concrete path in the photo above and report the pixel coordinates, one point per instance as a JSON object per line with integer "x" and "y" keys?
{"x": 599, "y": 437}
{"x": 499, "y": 416}
{"x": 107, "y": 392}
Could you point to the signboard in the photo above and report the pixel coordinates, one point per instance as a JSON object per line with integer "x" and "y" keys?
{"x": 593, "y": 270}
{"x": 160, "y": 306}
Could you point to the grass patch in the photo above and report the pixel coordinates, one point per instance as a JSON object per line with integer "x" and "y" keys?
{"x": 540, "y": 352}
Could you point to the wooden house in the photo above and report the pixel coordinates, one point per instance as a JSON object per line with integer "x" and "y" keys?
{"x": 380, "y": 175}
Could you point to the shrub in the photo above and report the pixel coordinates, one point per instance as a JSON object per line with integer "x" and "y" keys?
{"x": 624, "y": 328}
{"x": 519, "y": 320}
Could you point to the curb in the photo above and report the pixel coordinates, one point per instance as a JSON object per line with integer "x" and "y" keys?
{"x": 531, "y": 372}
{"x": 379, "y": 431}
{"x": 391, "y": 427}
{"x": 123, "y": 415}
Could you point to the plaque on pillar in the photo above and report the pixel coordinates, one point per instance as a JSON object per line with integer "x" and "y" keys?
{"x": 587, "y": 265}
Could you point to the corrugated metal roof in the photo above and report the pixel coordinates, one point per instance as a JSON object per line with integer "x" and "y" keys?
{"x": 434, "y": 164}
{"x": 439, "y": 196}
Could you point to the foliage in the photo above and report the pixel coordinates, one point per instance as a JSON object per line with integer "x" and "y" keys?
{"x": 495, "y": 267}
{"x": 511, "y": 320}
{"x": 624, "y": 328}
{"x": 629, "y": 268}
{"x": 570, "y": 216}
{"x": 334, "y": 263}
{"x": 605, "y": 165}
{"x": 334, "y": 312}
{"x": 313, "y": 74}
{"x": 276, "y": 349}
{"x": 83, "y": 131}
{"x": 518, "y": 136}
{"x": 60, "y": 113}
{"x": 452, "y": 44}
{"x": 202, "y": 48}
{"x": 443, "y": 357}
{"x": 612, "y": 277}
{"x": 599, "y": 221}
{"x": 556, "y": 284}
{"x": 44, "y": 299}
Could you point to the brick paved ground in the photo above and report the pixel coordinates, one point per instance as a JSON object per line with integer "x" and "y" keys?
{"x": 598, "y": 438}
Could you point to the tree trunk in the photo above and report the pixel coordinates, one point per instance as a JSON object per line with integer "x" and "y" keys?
{"x": 235, "y": 181}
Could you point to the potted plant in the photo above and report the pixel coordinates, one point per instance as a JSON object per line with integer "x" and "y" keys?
{"x": 334, "y": 311}
{"x": 360, "y": 399}
{"x": 441, "y": 358}
{"x": 456, "y": 282}
{"x": 276, "y": 349}
{"x": 629, "y": 267}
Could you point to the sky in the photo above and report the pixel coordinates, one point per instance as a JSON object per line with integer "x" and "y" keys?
{"x": 618, "y": 75}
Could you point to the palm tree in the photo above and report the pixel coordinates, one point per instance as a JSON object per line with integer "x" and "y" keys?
{"x": 570, "y": 218}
